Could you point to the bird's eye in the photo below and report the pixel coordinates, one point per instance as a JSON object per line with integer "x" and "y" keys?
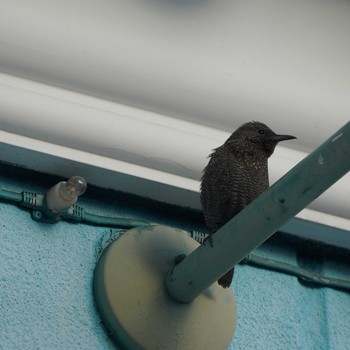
{"x": 261, "y": 132}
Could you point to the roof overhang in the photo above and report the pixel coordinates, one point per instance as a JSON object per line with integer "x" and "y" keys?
{"x": 134, "y": 96}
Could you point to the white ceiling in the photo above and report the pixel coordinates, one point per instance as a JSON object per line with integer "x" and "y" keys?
{"x": 194, "y": 71}
{"x": 217, "y": 63}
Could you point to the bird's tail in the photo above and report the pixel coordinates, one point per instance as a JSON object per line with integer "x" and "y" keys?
{"x": 226, "y": 279}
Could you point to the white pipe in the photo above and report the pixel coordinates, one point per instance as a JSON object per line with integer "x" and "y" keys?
{"x": 127, "y": 140}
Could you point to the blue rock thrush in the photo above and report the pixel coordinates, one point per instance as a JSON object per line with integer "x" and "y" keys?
{"x": 236, "y": 174}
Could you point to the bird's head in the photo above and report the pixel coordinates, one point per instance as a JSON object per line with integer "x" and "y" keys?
{"x": 259, "y": 134}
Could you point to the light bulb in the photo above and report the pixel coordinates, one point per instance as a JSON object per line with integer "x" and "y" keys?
{"x": 64, "y": 194}
{"x": 73, "y": 188}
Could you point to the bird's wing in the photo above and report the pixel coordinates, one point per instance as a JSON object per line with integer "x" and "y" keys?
{"x": 220, "y": 192}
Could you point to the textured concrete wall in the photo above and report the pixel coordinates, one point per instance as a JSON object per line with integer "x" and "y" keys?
{"x": 46, "y": 299}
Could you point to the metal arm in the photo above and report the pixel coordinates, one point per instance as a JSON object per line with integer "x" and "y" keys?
{"x": 258, "y": 221}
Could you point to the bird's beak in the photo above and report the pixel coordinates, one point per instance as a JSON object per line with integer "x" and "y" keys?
{"x": 279, "y": 138}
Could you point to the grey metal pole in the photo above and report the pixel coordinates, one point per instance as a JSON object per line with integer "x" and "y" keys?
{"x": 258, "y": 221}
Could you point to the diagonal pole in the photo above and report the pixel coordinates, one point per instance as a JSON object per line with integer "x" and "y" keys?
{"x": 259, "y": 220}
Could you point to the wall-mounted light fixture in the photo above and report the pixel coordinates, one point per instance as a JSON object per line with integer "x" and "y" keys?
{"x": 156, "y": 288}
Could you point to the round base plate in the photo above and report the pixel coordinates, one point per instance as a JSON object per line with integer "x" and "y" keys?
{"x": 135, "y": 307}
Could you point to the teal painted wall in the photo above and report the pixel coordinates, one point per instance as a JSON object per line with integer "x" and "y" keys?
{"x": 46, "y": 270}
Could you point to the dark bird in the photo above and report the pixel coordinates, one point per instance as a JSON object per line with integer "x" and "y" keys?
{"x": 235, "y": 175}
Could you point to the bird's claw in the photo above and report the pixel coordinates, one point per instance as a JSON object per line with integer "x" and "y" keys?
{"x": 210, "y": 239}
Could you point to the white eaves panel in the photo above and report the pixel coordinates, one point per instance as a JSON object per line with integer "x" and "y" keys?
{"x": 134, "y": 95}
